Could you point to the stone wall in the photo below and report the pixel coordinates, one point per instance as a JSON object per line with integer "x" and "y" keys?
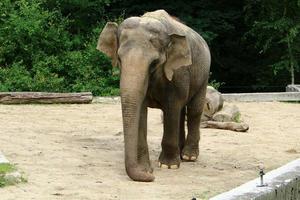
{"x": 281, "y": 184}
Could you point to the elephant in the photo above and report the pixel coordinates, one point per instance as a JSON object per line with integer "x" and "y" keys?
{"x": 163, "y": 64}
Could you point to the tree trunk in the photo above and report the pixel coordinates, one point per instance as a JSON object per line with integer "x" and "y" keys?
{"x": 44, "y": 97}
{"x": 291, "y": 61}
{"x": 229, "y": 113}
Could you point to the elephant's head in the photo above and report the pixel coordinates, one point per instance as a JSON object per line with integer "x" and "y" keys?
{"x": 140, "y": 46}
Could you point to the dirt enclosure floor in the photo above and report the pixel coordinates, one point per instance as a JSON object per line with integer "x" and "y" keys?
{"x": 75, "y": 152}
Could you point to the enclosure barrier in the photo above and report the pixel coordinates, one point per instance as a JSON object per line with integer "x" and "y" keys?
{"x": 244, "y": 97}
{"x": 87, "y": 97}
{"x": 262, "y": 97}
{"x": 280, "y": 184}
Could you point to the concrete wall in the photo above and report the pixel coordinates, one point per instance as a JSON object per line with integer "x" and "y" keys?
{"x": 246, "y": 97}
{"x": 282, "y": 184}
{"x": 263, "y": 97}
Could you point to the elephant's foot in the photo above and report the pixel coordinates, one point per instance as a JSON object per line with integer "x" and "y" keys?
{"x": 146, "y": 166}
{"x": 149, "y": 168}
{"x": 190, "y": 153}
{"x": 169, "y": 162}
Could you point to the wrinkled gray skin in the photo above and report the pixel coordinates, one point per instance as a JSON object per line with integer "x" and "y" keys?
{"x": 164, "y": 64}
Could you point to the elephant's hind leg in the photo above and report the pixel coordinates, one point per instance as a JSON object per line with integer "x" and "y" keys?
{"x": 182, "y": 129}
{"x": 194, "y": 111}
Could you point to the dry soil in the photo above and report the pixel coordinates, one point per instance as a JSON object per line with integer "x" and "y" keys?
{"x": 74, "y": 152}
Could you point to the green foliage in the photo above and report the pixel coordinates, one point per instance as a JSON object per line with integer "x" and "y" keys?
{"x": 15, "y": 78}
{"x": 276, "y": 27}
{"x": 42, "y": 51}
{"x": 237, "y": 118}
{"x": 49, "y": 45}
{"x": 33, "y": 39}
{"x": 88, "y": 70}
{"x": 83, "y": 15}
{"x": 28, "y": 31}
{"x": 4, "y": 169}
{"x": 215, "y": 84}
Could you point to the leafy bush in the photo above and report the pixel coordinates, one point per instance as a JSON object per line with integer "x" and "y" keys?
{"x": 39, "y": 52}
{"x": 5, "y": 169}
{"x": 215, "y": 84}
{"x": 277, "y": 33}
{"x": 90, "y": 70}
{"x": 15, "y": 78}
{"x": 49, "y": 45}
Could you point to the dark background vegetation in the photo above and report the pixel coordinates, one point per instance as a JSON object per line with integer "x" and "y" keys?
{"x": 49, "y": 45}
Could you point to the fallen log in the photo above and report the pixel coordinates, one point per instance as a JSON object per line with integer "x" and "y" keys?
{"x": 233, "y": 126}
{"x": 45, "y": 97}
{"x": 229, "y": 113}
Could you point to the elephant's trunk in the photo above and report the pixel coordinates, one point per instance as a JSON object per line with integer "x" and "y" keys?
{"x": 133, "y": 85}
{"x": 131, "y": 115}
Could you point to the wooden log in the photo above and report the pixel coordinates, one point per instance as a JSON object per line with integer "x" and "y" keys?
{"x": 233, "y": 126}
{"x": 213, "y": 103}
{"x": 44, "y": 97}
{"x": 229, "y": 113}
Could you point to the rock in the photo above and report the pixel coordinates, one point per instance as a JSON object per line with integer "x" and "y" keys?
{"x": 229, "y": 113}
{"x": 292, "y": 88}
{"x": 213, "y": 103}
{"x": 13, "y": 178}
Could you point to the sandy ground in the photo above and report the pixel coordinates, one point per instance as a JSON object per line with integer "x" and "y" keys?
{"x": 76, "y": 152}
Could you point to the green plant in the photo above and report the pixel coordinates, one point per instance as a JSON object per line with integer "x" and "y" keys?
{"x": 237, "y": 118}
{"x": 49, "y": 45}
{"x": 276, "y": 27}
{"x": 4, "y": 169}
{"x": 43, "y": 50}
{"x": 215, "y": 84}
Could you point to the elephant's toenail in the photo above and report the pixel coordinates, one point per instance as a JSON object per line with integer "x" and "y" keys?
{"x": 164, "y": 166}
{"x": 193, "y": 158}
{"x": 174, "y": 167}
{"x": 185, "y": 157}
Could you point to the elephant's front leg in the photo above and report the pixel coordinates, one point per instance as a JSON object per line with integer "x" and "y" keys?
{"x": 170, "y": 155}
{"x": 143, "y": 152}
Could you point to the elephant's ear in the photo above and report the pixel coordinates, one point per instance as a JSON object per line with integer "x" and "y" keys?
{"x": 178, "y": 55}
{"x": 108, "y": 43}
